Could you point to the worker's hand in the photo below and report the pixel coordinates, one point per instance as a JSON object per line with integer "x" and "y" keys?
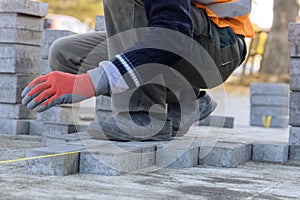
{"x": 57, "y": 88}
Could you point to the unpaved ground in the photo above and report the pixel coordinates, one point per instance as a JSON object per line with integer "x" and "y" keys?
{"x": 249, "y": 181}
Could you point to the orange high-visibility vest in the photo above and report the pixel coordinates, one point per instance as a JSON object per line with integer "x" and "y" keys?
{"x": 229, "y": 13}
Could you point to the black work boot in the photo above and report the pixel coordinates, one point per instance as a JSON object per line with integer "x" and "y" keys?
{"x": 135, "y": 126}
{"x": 183, "y": 115}
{"x": 138, "y": 116}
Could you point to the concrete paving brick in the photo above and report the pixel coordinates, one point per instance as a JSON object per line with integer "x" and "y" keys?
{"x": 103, "y": 103}
{"x": 269, "y": 100}
{"x": 68, "y": 139}
{"x": 176, "y": 157}
{"x": 110, "y": 160}
{"x": 100, "y": 23}
{"x": 14, "y": 127}
{"x": 148, "y": 151}
{"x": 294, "y": 109}
{"x": 45, "y": 51}
{"x": 44, "y": 67}
{"x": 49, "y": 37}
{"x": 59, "y": 114}
{"x": 19, "y": 21}
{"x": 275, "y": 122}
{"x": 280, "y": 89}
{"x": 270, "y": 152}
{"x": 180, "y": 153}
{"x": 36, "y": 127}
{"x": 295, "y": 74}
{"x": 294, "y": 137}
{"x": 225, "y": 154}
{"x": 269, "y": 111}
{"x": 293, "y": 31}
{"x": 17, "y": 58}
{"x": 295, "y": 48}
{"x": 15, "y": 111}
{"x": 218, "y": 121}
{"x": 27, "y": 7}
{"x": 20, "y": 36}
{"x": 294, "y": 152}
{"x": 90, "y": 143}
{"x": 12, "y": 85}
{"x": 54, "y": 129}
{"x": 56, "y": 165}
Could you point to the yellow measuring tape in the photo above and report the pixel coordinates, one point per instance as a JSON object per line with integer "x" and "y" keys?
{"x": 266, "y": 121}
{"x": 38, "y": 157}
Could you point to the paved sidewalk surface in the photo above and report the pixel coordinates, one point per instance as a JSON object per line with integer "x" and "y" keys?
{"x": 248, "y": 181}
{"x": 252, "y": 180}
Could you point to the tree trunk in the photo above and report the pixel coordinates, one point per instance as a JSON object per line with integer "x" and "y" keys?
{"x": 276, "y": 56}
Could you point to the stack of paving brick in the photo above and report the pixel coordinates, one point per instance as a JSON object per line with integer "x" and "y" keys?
{"x": 49, "y": 37}
{"x": 21, "y": 27}
{"x": 269, "y": 105}
{"x": 294, "y": 138}
{"x": 49, "y": 120}
{"x": 59, "y": 120}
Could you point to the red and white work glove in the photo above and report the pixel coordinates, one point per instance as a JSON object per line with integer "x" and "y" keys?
{"x": 57, "y": 88}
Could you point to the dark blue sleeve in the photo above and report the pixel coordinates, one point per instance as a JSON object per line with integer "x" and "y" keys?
{"x": 164, "y": 17}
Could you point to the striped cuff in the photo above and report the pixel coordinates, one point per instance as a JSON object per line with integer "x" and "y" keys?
{"x": 127, "y": 70}
{"x": 107, "y": 74}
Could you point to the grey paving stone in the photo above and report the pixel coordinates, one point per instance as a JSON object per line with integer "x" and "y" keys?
{"x": 270, "y": 152}
{"x": 59, "y": 114}
{"x": 49, "y": 37}
{"x": 294, "y": 152}
{"x": 20, "y": 36}
{"x": 61, "y": 165}
{"x": 179, "y": 153}
{"x": 90, "y": 143}
{"x": 218, "y": 121}
{"x": 36, "y": 127}
{"x": 44, "y": 67}
{"x": 270, "y": 100}
{"x": 55, "y": 129}
{"x": 14, "y": 127}
{"x": 15, "y": 111}
{"x": 20, "y": 21}
{"x": 294, "y": 137}
{"x": 269, "y": 111}
{"x": 12, "y": 85}
{"x": 148, "y": 151}
{"x": 295, "y": 74}
{"x": 294, "y": 48}
{"x": 176, "y": 157}
{"x": 275, "y": 122}
{"x": 280, "y": 89}
{"x": 103, "y": 103}
{"x": 17, "y": 58}
{"x": 100, "y": 23}
{"x": 293, "y": 31}
{"x": 225, "y": 154}
{"x": 27, "y": 7}
{"x": 294, "y": 109}
{"x": 110, "y": 160}
{"x": 68, "y": 139}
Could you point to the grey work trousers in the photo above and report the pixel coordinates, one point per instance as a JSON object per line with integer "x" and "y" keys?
{"x": 79, "y": 53}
